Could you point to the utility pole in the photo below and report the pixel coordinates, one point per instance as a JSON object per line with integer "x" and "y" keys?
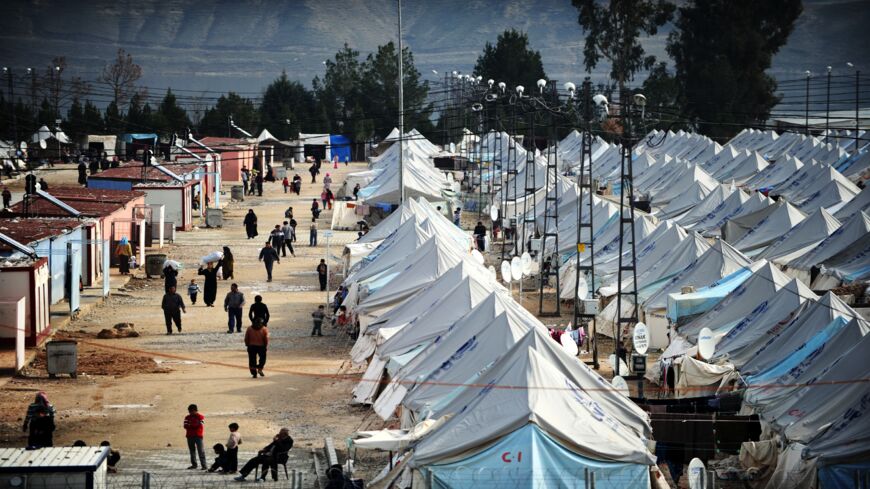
{"x": 57, "y": 92}
{"x": 857, "y": 109}
{"x": 32, "y": 73}
{"x": 401, "y": 110}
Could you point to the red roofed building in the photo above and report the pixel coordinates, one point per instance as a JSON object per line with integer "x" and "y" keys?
{"x": 234, "y": 154}
{"x": 117, "y": 213}
{"x": 49, "y": 277}
{"x": 160, "y": 188}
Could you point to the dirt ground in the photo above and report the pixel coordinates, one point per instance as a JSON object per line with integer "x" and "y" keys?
{"x": 135, "y": 391}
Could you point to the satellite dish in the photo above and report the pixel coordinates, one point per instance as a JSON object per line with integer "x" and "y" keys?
{"x": 620, "y": 385}
{"x": 506, "y": 271}
{"x": 478, "y": 256}
{"x": 493, "y": 212}
{"x": 493, "y": 272}
{"x": 516, "y": 268}
{"x": 526, "y": 258}
{"x": 42, "y": 144}
{"x": 569, "y": 344}
{"x": 697, "y": 474}
{"x": 641, "y": 338}
{"x": 582, "y": 288}
{"x": 623, "y": 368}
{"x": 706, "y": 343}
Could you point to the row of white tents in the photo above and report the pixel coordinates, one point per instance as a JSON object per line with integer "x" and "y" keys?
{"x": 485, "y": 397}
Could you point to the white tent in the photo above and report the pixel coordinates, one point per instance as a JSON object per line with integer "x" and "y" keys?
{"x": 774, "y": 225}
{"x": 859, "y": 203}
{"x": 737, "y": 204}
{"x": 801, "y": 238}
{"x": 706, "y": 206}
{"x": 548, "y": 391}
{"x": 851, "y": 231}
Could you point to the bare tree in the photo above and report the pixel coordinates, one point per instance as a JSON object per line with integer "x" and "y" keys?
{"x": 121, "y": 77}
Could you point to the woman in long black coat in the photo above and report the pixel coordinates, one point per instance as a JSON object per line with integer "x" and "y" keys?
{"x": 170, "y": 277}
{"x": 209, "y": 289}
{"x": 227, "y": 263}
{"x": 251, "y": 224}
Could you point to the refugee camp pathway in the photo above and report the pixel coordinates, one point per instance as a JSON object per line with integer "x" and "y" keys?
{"x": 140, "y": 408}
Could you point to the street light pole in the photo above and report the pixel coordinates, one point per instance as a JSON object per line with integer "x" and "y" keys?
{"x": 8, "y": 72}
{"x": 401, "y": 110}
{"x": 828, "y": 107}
{"x": 807, "y": 108}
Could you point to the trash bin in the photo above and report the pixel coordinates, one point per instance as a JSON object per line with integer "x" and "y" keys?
{"x": 154, "y": 265}
{"x": 61, "y": 357}
{"x": 214, "y": 218}
{"x": 237, "y": 192}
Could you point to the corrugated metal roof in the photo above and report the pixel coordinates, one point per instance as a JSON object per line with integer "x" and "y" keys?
{"x": 52, "y": 459}
{"x": 28, "y": 230}
{"x": 133, "y": 171}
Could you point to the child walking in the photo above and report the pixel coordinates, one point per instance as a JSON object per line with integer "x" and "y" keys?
{"x": 192, "y": 290}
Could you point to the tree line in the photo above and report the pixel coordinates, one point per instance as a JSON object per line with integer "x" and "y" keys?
{"x": 716, "y": 82}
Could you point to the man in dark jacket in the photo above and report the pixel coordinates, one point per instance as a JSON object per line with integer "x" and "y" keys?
{"x": 233, "y": 303}
{"x": 83, "y": 174}
{"x": 269, "y": 257}
{"x": 270, "y": 456}
{"x": 172, "y": 306}
{"x": 277, "y": 238}
{"x": 259, "y": 311}
{"x": 322, "y": 271}
{"x": 480, "y": 236}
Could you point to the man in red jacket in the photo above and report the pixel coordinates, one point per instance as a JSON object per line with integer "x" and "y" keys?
{"x": 194, "y": 430}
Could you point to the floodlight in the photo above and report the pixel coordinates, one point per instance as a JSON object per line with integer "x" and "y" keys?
{"x": 520, "y": 89}
{"x": 502, "y": 86}
{"x": 639, "y": 100}
{"x": 541, "y": 84}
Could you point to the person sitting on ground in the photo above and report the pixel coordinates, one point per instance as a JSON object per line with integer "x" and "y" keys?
{"x": 272, "y": 455}
{"x": 114, "y": 457}
{"x": 342, "y": 320}
{"x": 221, "y": 460}
{"x": 40, "y": 402}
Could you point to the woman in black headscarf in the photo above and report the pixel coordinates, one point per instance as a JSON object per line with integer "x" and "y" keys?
{"x": 209, "y": 289}
{"x": 227, "y": 263}
{"x": 251, "y": 224}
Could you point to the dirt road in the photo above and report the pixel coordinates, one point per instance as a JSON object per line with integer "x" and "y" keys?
{"x": 140, "y": 406}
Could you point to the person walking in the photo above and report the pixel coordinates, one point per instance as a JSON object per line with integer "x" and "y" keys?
{"x": 330, "y": 198}
{"x": 313, "y": 171}
{"x": 286, "y": 184}
{"x": 277, "y": 238}
{"x": 259, "y": 311}
{"x": 246, "y": 176}
{"x": 480, "y": 236}
{"x": 269, "y": 257}
{"x": 297, "y": 184}
{"x": 172, "y": 306}
{"x": 124, "y": 252}
{"x": 170, "y": 277}
{"x": 322, "y": 270}
{"x": 192, "y": 291}
{"x": 457, "y": 217}
{"x": 270, "y": 456}
{"x": 323, "y": 198}
{"x": 83, "y": 174}
{"x": 227, "y": 263}
{"x": 327, "y": 181}
{"x": 257, "y": 342}
{"x": 356, "y": 189}
{"x": 315, "y": 208}
{"x": 259, "y": 180}
{"x": 194, "y": 429}
{"x": 40, "y": 403}
{"x": 293, "y": 224}
{"x": 251, "y": 224}
{"x": 233, "y": 304}
{"x": 312, "y": 236}
{"x": 288, "y": 239}
{"x": 7, "y": 198}
{"x": 210, "y": 286}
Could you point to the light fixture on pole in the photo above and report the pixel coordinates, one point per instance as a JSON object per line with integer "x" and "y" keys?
{"x": 828, "y": 106}
{"x": 502, "y": 86}
{"x": 571, "y": 88}
{"x": 541, "y": 84}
